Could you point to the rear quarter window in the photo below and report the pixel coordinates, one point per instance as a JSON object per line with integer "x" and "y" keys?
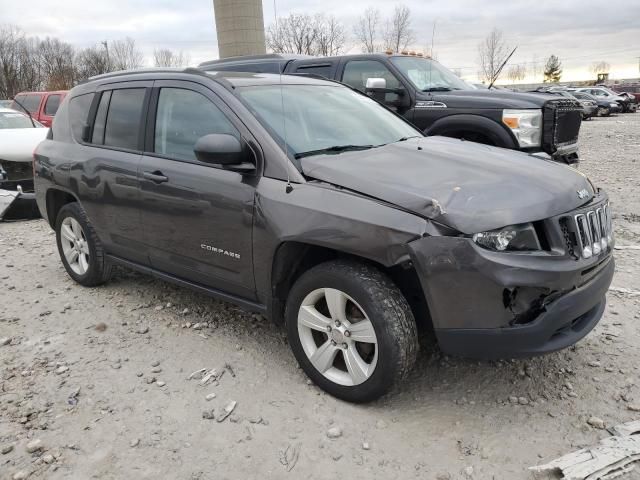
{"x": 79, "y": 114}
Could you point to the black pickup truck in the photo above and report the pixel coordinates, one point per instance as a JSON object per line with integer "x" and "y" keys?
{"x": 438, "y": 102}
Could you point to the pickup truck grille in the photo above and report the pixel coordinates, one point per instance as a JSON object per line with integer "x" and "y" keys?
{"x": 590, "y": 231}
{"x": 561, "y": 119}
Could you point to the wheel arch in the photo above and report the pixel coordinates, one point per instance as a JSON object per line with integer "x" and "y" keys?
{"x": 456, "y": 125}
{"x": 55, "y": 199}
{"x": 293, "y": 258}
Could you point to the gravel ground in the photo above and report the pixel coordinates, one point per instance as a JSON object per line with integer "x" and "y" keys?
{"x": 95, "y": 383}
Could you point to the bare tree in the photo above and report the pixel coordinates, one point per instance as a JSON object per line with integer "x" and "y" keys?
{"x": 398, "y": 33}
{"x": 56, "y": 61}
{"x": 493, "y": 51}
{"x": 330, "y": 37}
{"x": 366, "y": 30}
{"x": 296, "y": 33}
{"x": 600, "y": 67}
{"x": 124, "y": 55}
{"x": 306, "y": 34}
{"x": 168, "y": 58}
{"x": 517, "y": 72}
{"x": 92, "y": 61}
{"x": 20, "y": 67}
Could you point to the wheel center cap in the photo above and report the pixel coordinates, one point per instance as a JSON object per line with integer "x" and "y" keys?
{"x": 337, "y": 336}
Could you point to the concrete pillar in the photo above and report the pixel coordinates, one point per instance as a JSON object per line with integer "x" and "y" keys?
{"x": 240, "y": 27}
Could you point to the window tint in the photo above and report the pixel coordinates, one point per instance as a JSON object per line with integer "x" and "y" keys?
{"x": 183, "y": 117}
{"x": 324, "y": 69}
{"x": 30, "y": 102}
{"x": 124, "y": 118}
{"x": 101, "y": 119}
{"x": 51, "y": 107}
{"x": 79, "y": 114}
{"x": 356, "y": 73}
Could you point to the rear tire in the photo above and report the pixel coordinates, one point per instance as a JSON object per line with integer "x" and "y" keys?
{"x": 79, "y": 247}
{"x": 351, "y": 330}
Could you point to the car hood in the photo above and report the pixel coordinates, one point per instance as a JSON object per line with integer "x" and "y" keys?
{"x": 489, "y": 99}
{"x": 467, "y": 186}
{"x": 18, "y": 144}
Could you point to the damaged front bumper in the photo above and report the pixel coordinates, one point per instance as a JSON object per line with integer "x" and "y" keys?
{"x": 486, "y": 304}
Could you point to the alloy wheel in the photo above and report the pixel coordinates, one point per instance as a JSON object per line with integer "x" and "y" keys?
{"x": 337, "y": 336}
{"x": 74, "y": 245}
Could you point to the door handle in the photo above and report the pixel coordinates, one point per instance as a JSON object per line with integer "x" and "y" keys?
{"x": 156, "y": 176}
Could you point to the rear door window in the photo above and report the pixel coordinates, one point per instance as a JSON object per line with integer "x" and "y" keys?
{"x": 124, "y": 118}
{"x": 51, "y": 107}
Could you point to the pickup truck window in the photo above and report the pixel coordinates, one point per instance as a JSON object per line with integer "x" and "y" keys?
{"x": 183, "y": 117}
{"x": 318, "y": 117}
{"x": 51, "y": 107}
{"x": 427, "y": 75}
{"x": 356, "y": 73}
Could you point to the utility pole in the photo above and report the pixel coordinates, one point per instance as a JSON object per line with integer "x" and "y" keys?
{"x": 106, "y": 49}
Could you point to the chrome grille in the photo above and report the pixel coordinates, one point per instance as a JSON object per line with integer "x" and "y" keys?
{"x": 593, "y": 231}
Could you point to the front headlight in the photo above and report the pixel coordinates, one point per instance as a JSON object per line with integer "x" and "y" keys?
{"x": 519, "y": 238}
{"x": 526, "y": 125}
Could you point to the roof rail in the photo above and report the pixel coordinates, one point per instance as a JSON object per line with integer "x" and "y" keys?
{"x": 121, "y": 73}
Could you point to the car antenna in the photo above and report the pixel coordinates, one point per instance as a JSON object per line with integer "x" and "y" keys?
{"x": 281, "y": 64}
{"x": 28, "y": 112}
{"x": 495, "y": 77}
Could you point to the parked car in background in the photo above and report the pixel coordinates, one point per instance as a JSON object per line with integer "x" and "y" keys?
{"x": 19, "y": 136}
{"x": 5, "y": 103}
{"x": 437, "y": 101}
{"x": 589, "y": 107}
{"x": 41, "y": 105}
{"x": 309, "y": 202}
{"x": 606, "y": 94}
{"x": 631, "y": 89}
{"x": 605, "y": 107}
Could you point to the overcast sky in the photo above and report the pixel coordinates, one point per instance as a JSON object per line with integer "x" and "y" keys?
{"x": 578, "y": 31}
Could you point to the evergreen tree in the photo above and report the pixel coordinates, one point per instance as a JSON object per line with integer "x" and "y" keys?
{"x": 553, "y": 70}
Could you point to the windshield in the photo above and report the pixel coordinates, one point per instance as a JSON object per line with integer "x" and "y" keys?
{"x": 14, "y": 120}
{"x": 428, "y": 75}
{"x": 324, "y": 118}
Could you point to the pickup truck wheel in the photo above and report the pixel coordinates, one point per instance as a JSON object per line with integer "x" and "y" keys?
{"x": 79, "y": 247}
{"x": 351, "y": 330}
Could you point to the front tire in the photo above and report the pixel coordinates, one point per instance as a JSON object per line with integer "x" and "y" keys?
{"x": 351, "y": 330}
{"x": 79, "y": 247}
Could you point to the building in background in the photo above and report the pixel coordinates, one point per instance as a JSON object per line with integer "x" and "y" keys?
{"x": 240, "y": 27}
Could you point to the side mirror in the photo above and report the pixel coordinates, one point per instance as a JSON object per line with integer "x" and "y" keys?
{"x": 375, "y": 84}
{"x": 225, "y": 150}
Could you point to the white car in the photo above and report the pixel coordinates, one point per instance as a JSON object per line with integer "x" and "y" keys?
{"x": 19, "y": 137}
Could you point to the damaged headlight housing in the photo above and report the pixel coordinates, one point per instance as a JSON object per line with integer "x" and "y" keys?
{"x": 517, "y": 238}
{"x": 526, "y": 125}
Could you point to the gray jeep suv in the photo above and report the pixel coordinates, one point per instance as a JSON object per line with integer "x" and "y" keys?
{"x": 308, "y": 202}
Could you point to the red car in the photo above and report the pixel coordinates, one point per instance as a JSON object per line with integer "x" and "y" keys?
{"x": 41, "y": 105}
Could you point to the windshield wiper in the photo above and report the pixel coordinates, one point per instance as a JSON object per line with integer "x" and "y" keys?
{"x": 334, "y": 149}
